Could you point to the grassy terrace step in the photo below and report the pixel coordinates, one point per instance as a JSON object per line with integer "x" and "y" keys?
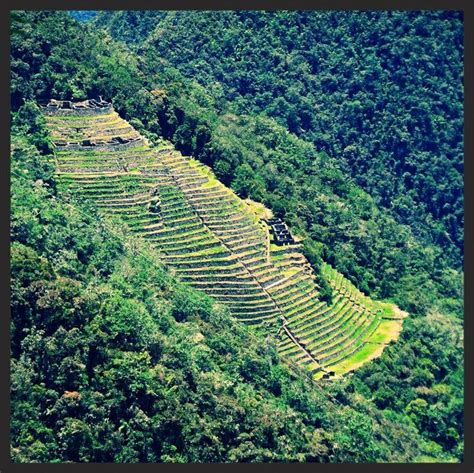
{"x": 233, "y": 286}
{"x": 330, "y": 342}
{"x": 345, "y": 343}
{"x": 231, "y": 233}
{"x": 225, "y": 203}
{"x": 267, "y": 277}
{"x": 353, "y": 356}
{"x": 262, "y": 272}
{"x": 54, "y": 119}
{"x": 175, "y": 214}
{"x": 209, "y": 199}
{"x": 139, "y": 198}
{"x": 99, "y": 194}
{"x": 306, "y": 304}
{"x": 301, "y": 308}
{"x": 135, "y": 162}
{"x": 245, "y": 247}
{"x": 109, "y": 158}
{"x": 133, "y": 212}
{"x": 177, "y": 240}
{"x": 123, "y": 183}
{"x": 287, "y": 265}
{"x": 183, "y": 226}
{"x": 327, "y": 327}
{"x": 300, "y": 357}
{"x": 290, "y": 348}
{"x": 288, "y": 299}
{"x": 343, "y": 351}
{"x": 254, "y": 262}
{"x": 235, "y": 223}
{"x": 108, "y": 166}
{"x": 314, "y": 322}
{"x": 249, "y": 255}
{"x": 249, "y": 238}
{"x": 112, "y": 123}
{"x": 286, "y": 293}
{"x": 250, "y": 308}
{"x": 266, "y": 313}
{"x": 142, "y": 222}
{"x": 72, "y": 135}
{"x": 321, "y": 312}
{"x": 315, "y": 325}
{"x": 106, "y": 121}
{"x": 215, "y": 242}
{"x": 233, "y": 291}
{"x": 234, "y": 270}
{"x": 193, "y": 233}
{"x": 181, "y": 221}
{"x": 170, "y": 232}
{"x": 212, "y": 262}
{"x": 295, "y": 320}
{"x": 206, "y": 192}
{"x": 287, "y": 280}
{"x": 151, "y": 225}
{"x": 104, "y": 153}
{"x": 287, "y": 258}
{"x": 108, "y": 182}
{"x": 213, "y": 279}
{"x": 125, "y": 204}
{"x": 196, "y": 240}
{"x": 258, "y": 321}
{"x": 170, "y": 205}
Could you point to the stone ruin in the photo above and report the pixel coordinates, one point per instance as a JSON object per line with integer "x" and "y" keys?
{"x": 67, "y": 107}
{"x": 280, "y": 231}
{"x": 109, "y": 145}
{"x": 87, "y": 108}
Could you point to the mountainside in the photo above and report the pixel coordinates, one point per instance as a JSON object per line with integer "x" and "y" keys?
{"x": 95, "y": 379}
{"x": 114, "y": 360}
{"x": 380, "y": 91}
{"x": 375, "y": 102}
{"x": 215, "y": 241}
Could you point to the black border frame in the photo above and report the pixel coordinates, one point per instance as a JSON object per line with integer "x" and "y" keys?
{"x": 5, "y": 464}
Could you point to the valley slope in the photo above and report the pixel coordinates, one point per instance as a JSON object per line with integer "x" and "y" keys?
{"x": 217, "y": 242}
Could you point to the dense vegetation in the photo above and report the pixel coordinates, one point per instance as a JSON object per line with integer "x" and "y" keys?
{"x": 339, "y": 82}
{"x": 366, "y": 87}
{"x": 114, "y": 360}
{"x": 378, "y": 195}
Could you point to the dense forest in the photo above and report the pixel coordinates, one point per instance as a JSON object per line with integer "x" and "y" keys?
{"x": 347, "y": 124}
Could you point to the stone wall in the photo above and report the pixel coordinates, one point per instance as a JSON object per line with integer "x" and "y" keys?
{"x": 77, "y": 112}
{"x": 111, "y": 146}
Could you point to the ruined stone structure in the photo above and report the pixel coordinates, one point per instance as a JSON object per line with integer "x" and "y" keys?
{"x": 85, "y": 108}
{"x": 280, "y": 231}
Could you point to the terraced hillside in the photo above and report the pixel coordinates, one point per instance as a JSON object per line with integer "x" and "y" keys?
{"x": 217, "y": 242}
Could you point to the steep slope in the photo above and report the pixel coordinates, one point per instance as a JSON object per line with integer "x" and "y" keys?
{"x": 215, "y": 241}
{"x": 114, "y": 360}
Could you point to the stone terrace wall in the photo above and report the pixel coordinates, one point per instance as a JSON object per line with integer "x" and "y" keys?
{"x": 77, "y": 112}
{"x": 102, "y": 147}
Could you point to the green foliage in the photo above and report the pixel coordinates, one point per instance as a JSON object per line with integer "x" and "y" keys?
{"x": 114, "y": 360}
{"x": 247, "y": 184}
{"x": 421, "y": 376}
{"x": 355, "y": 115}
{"x": 312, "y": 251}
{"x": 339, "y": 80}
